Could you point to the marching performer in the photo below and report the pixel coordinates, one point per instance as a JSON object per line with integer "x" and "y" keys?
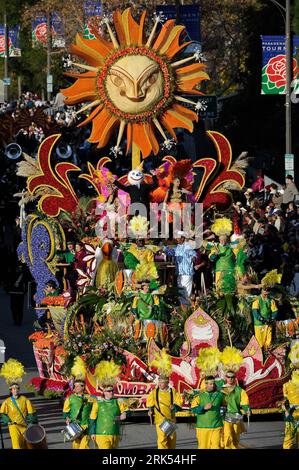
{"x": 264, "y": 310}
{"x": 291, "y": 403}
{"x": 208, "y": 403}
{"x": 16, "y": 411}
{"x": 77, "y": 406}
{"x": 236, "y": 398}
{"x": 164, "y": 401}
{"x": 107, "y": 411}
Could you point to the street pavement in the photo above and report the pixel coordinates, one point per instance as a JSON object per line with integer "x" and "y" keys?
{"x": 265, "y": 432}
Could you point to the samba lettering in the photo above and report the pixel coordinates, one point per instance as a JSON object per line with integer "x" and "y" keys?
{"x": 134, "y": 389}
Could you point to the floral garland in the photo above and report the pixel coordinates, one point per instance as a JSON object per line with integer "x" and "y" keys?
{"x": 56, "y": 300}
{"x": 160, "y": 104}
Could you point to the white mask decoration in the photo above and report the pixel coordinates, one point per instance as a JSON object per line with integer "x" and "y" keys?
{"x": 135, "y": 177}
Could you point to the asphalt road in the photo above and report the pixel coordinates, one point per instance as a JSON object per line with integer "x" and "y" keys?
{"x": 263, "y": 433}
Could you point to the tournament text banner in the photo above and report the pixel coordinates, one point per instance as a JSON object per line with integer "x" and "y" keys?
{"x": 274, "y": 64}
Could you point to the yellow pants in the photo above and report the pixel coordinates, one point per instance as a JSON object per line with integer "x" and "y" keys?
{"x": 163, "y": 441}
{"x": 263, "y": 335}
{"x": 16, "y": 432}
{"x": 232, "y": 433}
{"x": 107, "y": 442}
{"x": 81, "y": 443}
{"x": 208, "y": 438}
{"x": 291, "y": 438}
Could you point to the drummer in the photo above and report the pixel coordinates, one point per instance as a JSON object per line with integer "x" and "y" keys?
{"x": 207, "y": 406}
{"x": 16, "y": 411}
{"x": 107, "y": 411}
{"x": 78, "y": 405}
{"x": 163, "y": 401}
{"x": 236, "y": 400}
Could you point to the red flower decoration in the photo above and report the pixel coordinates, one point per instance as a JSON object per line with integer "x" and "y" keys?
{"x": 276, "y": 70}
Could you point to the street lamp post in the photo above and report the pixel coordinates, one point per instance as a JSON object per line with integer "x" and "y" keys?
{"x": 286, "y": 13}
{"x": 6, "y": 54}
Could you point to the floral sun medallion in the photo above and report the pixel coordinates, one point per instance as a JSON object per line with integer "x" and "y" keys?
{"x": 135, "y": 84}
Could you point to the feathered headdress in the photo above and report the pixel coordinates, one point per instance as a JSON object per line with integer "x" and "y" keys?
{"x": 222, "y": 226}
{"x": 231, "y": 359}
{"x": 270, "y": 279}
{"x": 79, "y": 369}
{"x": 12, "y": 371}
{"x": 294, "y": 355}
{"x": 106, "y": 373}
{"x": 162, "y": 363}
{"x": 208, "y": 361}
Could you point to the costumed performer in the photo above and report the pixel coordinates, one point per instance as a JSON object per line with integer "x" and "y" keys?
{"x": 138, "y": 256}
{"x": 164, "y": 401}
{"x": 184, "y": 257}
{"x": 223, "y": 255}
{"x": 107, "y": 267}
{"x": 264, "y": 310}
{"x": 236, "y": 398}
{"x": 208, "y": 403}
{"x": 291, "y": 403}
{"x": 16, "y": 411}
{"x": 107, "y": 411}
{"x": 78, "y": 405}
{"x": 138, "y": 190}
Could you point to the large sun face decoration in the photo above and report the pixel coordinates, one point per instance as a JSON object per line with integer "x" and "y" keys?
{"x": 135, "y": 84}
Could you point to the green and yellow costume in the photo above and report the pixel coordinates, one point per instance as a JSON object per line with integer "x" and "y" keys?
{"x": 105, "y": 423}
{"x": 77, "y": 408}
{"x": 209, "y": 423}
{"x": 291, "y": 395}
{"x": 236, "y": 401}
{"x": 17, "y": 423}
{"x": 161, "y": 401}
{"x": 224, "y": 258}
{"x": 264, "y": 312}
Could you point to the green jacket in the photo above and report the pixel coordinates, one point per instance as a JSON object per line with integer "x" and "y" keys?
{"x": 208, "y": 418}
{"x": 263, "y": 311}
{"x": 104, "y": 418}
{"x": 78, "y": 409}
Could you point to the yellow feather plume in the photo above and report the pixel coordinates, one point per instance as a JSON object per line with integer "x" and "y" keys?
{"x": 231, "y": 359}
{"x": 222, "y": 226}
{"x": 270, "y": 279}
{"x": 294, "y": 355}
{"x": 79, "y": 368}
{"x": 208, "y": 361}
{"x": 106, "y": 373}
{"x": 295, "y": 378}
{"x": 162, "y": 363}
{"x": 12, "y": 371}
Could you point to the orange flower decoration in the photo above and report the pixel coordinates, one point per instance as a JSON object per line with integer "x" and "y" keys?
{"x": 134, "y": 83}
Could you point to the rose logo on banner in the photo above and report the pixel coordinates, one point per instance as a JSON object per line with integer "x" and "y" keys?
{"x": 274, "y": 75}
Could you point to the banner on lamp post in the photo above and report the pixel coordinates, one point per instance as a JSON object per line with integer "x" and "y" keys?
{"x": 92, "y": 10}
{"x": 274, "y": 64}
{"x": 189, "y": 16}
{"x": 13, "y": 41}
{"x": 39, "y": 31}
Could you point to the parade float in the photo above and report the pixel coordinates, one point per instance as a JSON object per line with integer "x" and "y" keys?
{"x": 135, "y": 89}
